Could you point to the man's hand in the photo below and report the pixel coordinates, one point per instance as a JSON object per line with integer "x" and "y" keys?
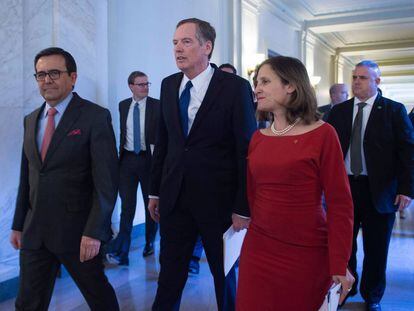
{"x": 153, "y": 209}
{"x": 16, "y": 239}
{"x": 239, "y": 223}
{"x": 346, "y": 282}
{"x": 89, "y": 248}
{"x": 402, "y": 201}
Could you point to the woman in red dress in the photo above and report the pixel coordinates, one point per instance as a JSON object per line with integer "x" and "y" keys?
{"x": 294, "y": 249}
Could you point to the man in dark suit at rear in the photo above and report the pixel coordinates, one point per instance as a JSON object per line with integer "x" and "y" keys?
{"x": 378, "y": 145}
{"x": 139, "y": 116}
{"x": 67, "y": 192}
{"x": 198, "y": 176}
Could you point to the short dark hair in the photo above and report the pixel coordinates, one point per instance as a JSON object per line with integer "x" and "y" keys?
{"x": 230, "y": 66}
{"x": 69, "y": 60}
{"x": 205, "y": 32}
{"x": 135, "y": 74}
{"x": 303, "y": 103}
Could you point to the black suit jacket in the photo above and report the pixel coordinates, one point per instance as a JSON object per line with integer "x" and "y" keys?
{"x": 325, "y": 110}
{"x": 73, "y": 192}
{"x": 411, "y": 116}
{"x": 152, "y": 111}
{"x": 388, "y": 148}
{"x": 212, "y": 159}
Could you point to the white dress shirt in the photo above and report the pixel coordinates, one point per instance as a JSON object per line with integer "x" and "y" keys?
{"x": 197, "y": 92}
{"x": 366, "y": 112}
{"x": 129, "y": 135}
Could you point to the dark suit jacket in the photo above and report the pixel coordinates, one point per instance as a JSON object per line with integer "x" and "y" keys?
{"x": 325, "y": 111}
{"x": 212, "y": 159}
{"x": 388, "y": 149}
{"x": 152, "y": 111}
{"x": 411, "y": 116}
{"x": 73, "y": 192}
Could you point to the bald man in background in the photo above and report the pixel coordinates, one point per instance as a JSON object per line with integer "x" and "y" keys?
{"x": 338, "y": 93}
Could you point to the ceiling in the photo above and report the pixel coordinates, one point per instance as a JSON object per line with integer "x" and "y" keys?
{"x": 369, "y": 29}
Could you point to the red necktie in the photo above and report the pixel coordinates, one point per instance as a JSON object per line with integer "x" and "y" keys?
{"x": 50, "y": 129}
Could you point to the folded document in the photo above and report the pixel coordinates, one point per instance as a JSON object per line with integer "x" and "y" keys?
{"x": 232, "y": 243}
{"x": 332, "y": 298}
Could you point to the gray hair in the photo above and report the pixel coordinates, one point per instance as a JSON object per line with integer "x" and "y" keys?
{"x": 204, "y": 32}
{"x": 370, "y": 64}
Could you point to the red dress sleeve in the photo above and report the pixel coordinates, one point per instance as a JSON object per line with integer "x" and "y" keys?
{"x": 340, "y": 211}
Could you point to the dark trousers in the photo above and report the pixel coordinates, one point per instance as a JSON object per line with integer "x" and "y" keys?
{"x": 179, "y": 232}
{"x": 230, "y": 281}
{"x": 198, "y": 249}
{"x": 38, "y": 270}
{"x": 134, "y": 170}
{"x": 376, "y": 235}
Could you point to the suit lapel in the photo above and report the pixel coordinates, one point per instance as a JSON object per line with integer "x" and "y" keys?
{"x": 32, "y": 124}
{"x": 70, "y": 115}
{"x": 374, "y": 116}
{"x": 148, "y": 118}
{"x": 349, "y": 114}
{"x": 173, "y": 94}
{"x": 124, "y": 110}
{"x": 212, "y": 91}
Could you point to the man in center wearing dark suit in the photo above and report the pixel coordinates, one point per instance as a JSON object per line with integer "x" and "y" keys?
{"x": 194, "y": 267}
{"x": 139, "y": 116}
{"x": 198, "y": 176}
{"x": 378, "y": 145}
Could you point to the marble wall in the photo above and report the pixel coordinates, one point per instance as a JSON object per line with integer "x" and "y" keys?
{"x": 11, "y": 114}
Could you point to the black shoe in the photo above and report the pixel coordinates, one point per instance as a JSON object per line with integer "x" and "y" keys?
{"x": 373, "y": 306}
{"x": 117, "y": 260}
{"x": 194, "y": 267}
{"x": 148, "y": 249}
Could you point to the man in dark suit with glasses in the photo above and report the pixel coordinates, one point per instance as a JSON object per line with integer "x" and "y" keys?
{"x": 67, "y": 191}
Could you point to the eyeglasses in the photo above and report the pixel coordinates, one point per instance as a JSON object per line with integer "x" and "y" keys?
{"x": 147, "y": 84}
{"x": 53, "y": 74}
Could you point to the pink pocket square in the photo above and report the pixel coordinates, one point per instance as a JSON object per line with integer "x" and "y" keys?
{"x": 75, "y": 132}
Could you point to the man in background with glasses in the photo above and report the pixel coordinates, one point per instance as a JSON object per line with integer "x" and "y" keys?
{"x": 138, "y": 121}
{"x": 67, "y": 191}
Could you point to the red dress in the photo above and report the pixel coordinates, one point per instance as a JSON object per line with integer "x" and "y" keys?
{"x": 293, "y": 247}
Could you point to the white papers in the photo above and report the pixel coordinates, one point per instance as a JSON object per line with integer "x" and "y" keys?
{"x": 232, "y": 243}
{"x": 332, "y": 298}
{"x": 152, "y": 148}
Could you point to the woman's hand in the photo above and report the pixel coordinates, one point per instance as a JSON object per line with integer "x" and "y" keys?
{"x": 346, "y": 282}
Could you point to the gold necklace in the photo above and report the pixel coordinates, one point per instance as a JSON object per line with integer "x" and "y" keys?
{"x": 285, "y": 130}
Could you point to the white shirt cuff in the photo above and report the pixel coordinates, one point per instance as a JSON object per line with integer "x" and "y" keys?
{"x": 241, "y": 216}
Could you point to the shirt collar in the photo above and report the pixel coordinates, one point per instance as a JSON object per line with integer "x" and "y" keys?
{"x": 60, "y": 107}
{"x": 142, "y": 101}
{"x": 201, "y": 79}
{"x": 370, "y": 101}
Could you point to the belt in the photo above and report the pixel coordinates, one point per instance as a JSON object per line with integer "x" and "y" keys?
{"x": 141, "y": 153}
{"x": 358, "y": 178}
